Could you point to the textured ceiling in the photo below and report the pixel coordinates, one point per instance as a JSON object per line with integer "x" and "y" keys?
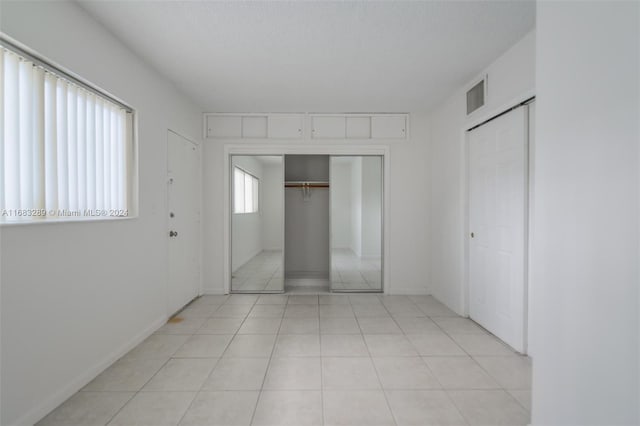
{"x": 317, "y": 56}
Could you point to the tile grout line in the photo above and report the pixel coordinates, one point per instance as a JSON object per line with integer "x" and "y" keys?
{"x": 198, "y": 392}
{"x": 322, "y": 419}
{"x": 375, "y": 369}
{"x": 266, "y": 371}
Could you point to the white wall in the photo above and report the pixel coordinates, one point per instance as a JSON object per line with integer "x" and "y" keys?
{"x": 63, "y": 283}
{"x": 246, "y": 228}
{"x": 340, "y": 204}
{"x": 586, "y": 236}
{"x": 271, "y": 207}
{"x": 372, "y": 207}
{"x": 306, "y": 234}
{"x": 511, "y": 80}
{"x": 408, "y": 252}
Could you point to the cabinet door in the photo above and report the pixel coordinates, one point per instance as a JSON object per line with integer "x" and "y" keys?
{"x": 224, "y": 126}
{"x": 328, "y": 127}
{"x": 254, "y": 126}
{"x": 285, "y": 126}
{"x": 358, "y": 127}
{"x": 388, "y": 127}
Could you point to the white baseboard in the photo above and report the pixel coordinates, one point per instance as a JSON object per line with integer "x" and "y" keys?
{"x": 409, "y": 291}
{"x": 37, "y": 413}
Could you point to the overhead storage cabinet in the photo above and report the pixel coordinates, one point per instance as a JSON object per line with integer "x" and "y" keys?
{"x": 360, "y": 126}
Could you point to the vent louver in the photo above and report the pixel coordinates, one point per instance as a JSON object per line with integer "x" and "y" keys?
{"x": 476, "y": 96}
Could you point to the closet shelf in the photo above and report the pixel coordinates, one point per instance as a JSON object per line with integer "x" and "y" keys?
{"x": 306, "y": 184}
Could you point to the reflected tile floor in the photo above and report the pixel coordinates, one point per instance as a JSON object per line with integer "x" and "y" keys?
{"x": 310, "y": 359}
{"x": 262, "y": 273}
{"x": 350, "y": 272}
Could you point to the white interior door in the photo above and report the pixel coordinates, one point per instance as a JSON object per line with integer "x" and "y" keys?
{"x": 497, "y": 225}
{"x": 183, "y": 169}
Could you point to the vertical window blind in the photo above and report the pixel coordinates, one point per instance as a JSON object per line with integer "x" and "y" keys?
{"x": 65, "y": 151}
{"x": 245, "y": 192}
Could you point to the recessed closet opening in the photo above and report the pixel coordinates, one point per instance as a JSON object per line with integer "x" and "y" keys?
{"x": 306, "y": 223}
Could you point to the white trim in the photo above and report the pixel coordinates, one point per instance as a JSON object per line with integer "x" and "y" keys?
{"x": 49, "y": 404}
{"x": 245, "y": 149}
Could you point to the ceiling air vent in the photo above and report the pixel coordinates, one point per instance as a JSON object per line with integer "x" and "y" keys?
{"x": 476, "y": 96}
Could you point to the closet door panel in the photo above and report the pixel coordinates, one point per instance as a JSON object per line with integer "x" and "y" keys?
{"x": 257, "y": 224}
{"x": 356, "y": 223}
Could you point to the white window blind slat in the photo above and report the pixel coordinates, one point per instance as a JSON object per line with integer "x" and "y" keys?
{"x": 113, "y": 159}
{"x": 62, "y": 145}
{"x": 106, "y": 154}
{"x": 51, "y": 143}
{"x": 11, "y": 132}
{"x": 255, "y": 191}
{"x": 81, "y": 145}
{"x": 39, "y": 128}
{"x": 72, "y": 146}
{"x": 91, "y": 151}
{"x": 121, "y": 171}
{"x": 99, "y": 164}
{"x": 25, "y": 141}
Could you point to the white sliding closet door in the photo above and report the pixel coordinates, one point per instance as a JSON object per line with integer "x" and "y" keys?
{"x": 257, "y": 223}
{"x": 356, "y": 223}
{"x": 497, "y": 224}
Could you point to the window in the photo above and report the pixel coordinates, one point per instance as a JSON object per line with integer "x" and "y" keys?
{"x": 66, "y": 149}
{"x": 246, "y": 188}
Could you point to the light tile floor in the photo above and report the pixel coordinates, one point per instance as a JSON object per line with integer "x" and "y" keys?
{"x": 308, "y": 359}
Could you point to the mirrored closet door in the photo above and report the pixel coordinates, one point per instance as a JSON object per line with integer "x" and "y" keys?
{"x": 356, "y": 223}
{"x": 257, "y": 219}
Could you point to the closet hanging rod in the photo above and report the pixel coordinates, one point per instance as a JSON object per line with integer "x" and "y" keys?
{"x": 306, "y": 184}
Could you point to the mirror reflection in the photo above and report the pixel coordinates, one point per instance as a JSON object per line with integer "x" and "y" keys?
{"x": 257, "y": 224}
{"x": 356, "y": 223}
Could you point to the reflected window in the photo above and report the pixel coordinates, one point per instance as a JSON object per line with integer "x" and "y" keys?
{"x": 246, "y": 188}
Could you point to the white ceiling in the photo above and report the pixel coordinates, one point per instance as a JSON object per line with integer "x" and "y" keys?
{"x": 304, "y": 56}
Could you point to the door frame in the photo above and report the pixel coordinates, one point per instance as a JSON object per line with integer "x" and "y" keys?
{"x": 523, "y": 101}
{"x": 198, "y": 146}
{"x": 246, "y": 149}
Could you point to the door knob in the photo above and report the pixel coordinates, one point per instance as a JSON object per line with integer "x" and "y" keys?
{"x": 472, "y": 236}
{"x": 173, "y": 233}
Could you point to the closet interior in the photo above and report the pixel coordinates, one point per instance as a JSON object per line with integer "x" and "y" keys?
{"x": 306, "y": 223}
